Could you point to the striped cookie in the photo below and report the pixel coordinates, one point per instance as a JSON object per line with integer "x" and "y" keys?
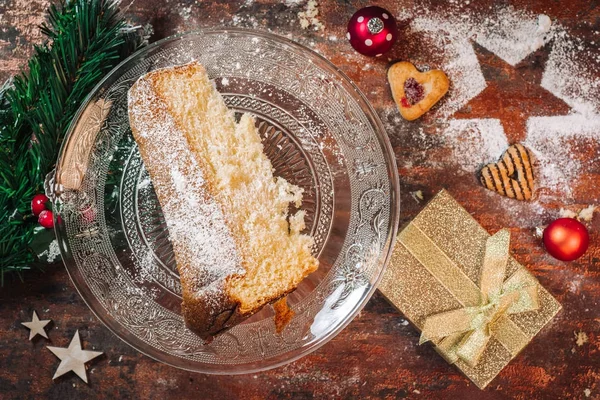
{"x": 512, "y": 176}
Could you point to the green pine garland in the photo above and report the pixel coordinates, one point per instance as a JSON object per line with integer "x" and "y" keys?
{"x": 86, "y": 39}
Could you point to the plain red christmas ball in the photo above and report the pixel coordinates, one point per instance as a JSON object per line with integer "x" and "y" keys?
{"x": 566, "y": 239}
{"x": 46, "y": 219}
{"x": 372, "y": 31}
{"x": 38, "y": 204}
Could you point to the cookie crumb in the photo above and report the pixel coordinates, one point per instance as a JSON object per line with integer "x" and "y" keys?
{"x": 309, "y": 16}
{"x": 581, "y": 338}
{"x": 587, "y": 213}
{"x": 564, "y": 213}
{"x": 418, "y": 196}
{"x": 544, "y": 23}
{"x": 283, "y": 314}
{"x": 539, "y": 232}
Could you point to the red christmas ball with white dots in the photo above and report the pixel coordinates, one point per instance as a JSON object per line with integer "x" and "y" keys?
{"x": 566, "y": 239}
{"x": 372, "y": 31}
{"x": 46, "y": 219}
{"x": 38, "y": 204}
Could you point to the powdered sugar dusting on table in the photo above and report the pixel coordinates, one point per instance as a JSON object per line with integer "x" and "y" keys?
{"x": 555, "y": 142}
{"x": 484, "y": 134}
{"x": 512, "y": 35}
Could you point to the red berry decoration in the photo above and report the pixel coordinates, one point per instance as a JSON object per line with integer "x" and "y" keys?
{"x": 566, "y": 239}
{"x": 38, "y": 204}
{"x": 46, "y": 219}
{"x": 372, "y": 31}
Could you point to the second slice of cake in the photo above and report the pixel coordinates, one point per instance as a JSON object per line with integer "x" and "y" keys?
{"x": 236, "y": 247}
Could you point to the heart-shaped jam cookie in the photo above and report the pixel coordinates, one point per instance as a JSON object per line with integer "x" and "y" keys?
{"x": 416, "y": 92}
{"x": 512, "y": 176}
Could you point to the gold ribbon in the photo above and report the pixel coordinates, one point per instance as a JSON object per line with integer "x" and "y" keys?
{"x": 465, "y": 333}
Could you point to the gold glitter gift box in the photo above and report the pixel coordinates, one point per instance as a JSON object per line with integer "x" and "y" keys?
{"x": 463, "y": 290}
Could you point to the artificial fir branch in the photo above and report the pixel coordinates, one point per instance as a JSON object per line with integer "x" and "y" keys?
{"x": 85, "y": 40}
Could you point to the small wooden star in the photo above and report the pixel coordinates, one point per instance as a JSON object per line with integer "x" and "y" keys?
{"x": 73, "y": 358}
{"x": 36, "y": 327}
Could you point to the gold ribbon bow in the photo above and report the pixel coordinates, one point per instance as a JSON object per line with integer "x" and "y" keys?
{"x": 464, "y": 333}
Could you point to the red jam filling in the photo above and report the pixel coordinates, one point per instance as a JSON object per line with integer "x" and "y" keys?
{"x": 413, "y": 92}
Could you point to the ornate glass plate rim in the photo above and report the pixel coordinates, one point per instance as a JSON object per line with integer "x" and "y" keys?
{"x": 363, "y": 289}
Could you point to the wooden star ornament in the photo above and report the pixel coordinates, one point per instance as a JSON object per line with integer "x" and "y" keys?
{"x": 36, "y": 326}
{"x": 73, "y": 358}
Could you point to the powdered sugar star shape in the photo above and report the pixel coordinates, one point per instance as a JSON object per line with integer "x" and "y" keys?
{"x": 554, "y": 139}
{"x": 513, "y": 93}
{"x": 513, "y": 35}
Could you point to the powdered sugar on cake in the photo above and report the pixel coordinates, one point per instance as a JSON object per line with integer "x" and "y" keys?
{"x": 195, "y": 221}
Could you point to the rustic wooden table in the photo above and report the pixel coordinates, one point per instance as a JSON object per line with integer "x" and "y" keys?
{"x": 377, "y": 355}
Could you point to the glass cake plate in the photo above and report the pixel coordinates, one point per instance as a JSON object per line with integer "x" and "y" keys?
{"x": 320, "y": 133}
